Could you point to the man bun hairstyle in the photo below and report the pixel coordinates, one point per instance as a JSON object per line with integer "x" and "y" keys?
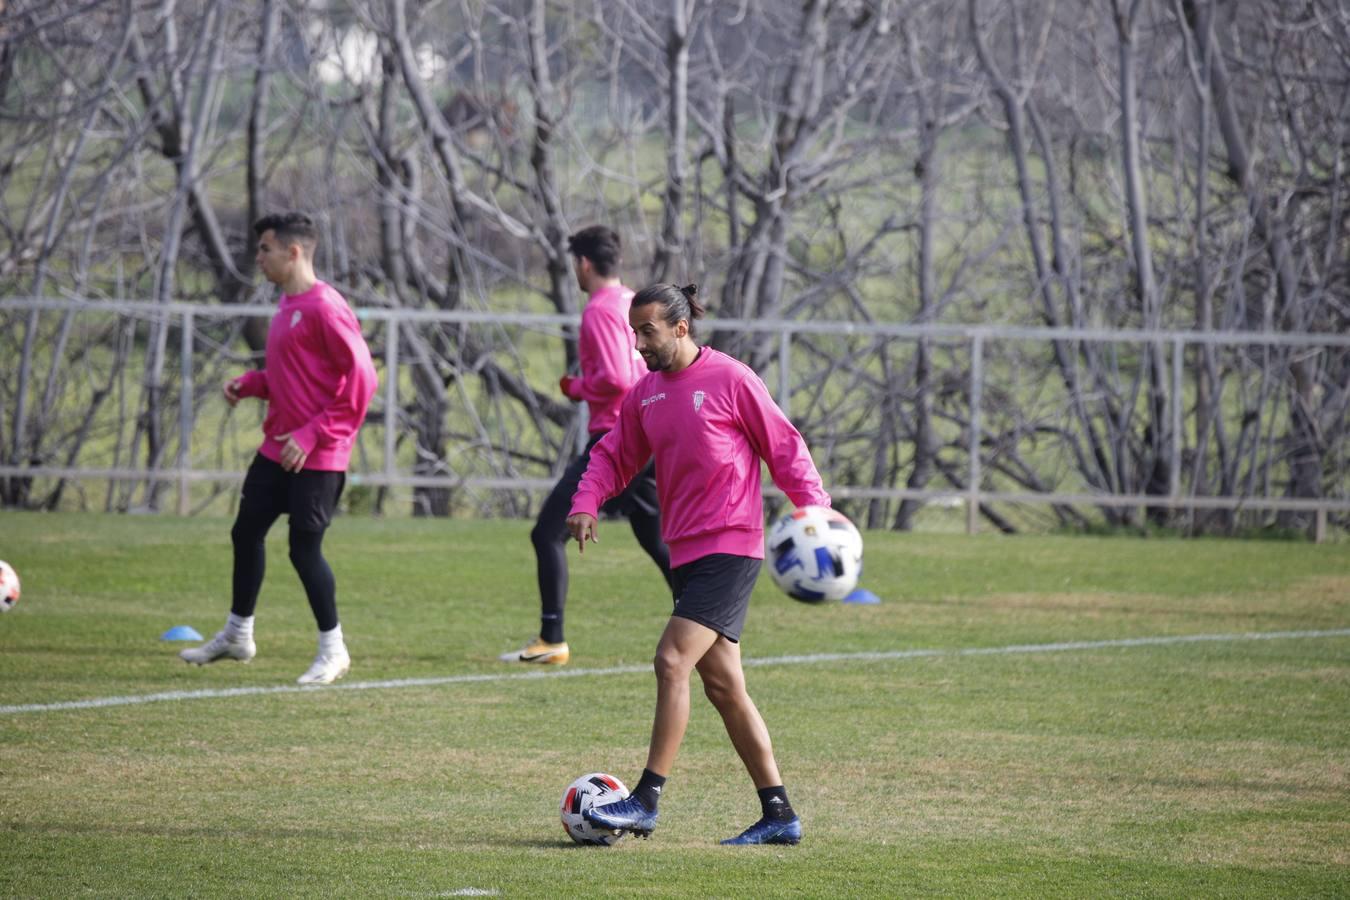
{"x": 290, "y": 228}
{"x": 677, "y": 302}
{"x": 600, "y": 245}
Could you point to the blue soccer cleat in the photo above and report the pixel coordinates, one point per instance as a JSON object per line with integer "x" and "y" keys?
{"x": 770, "y": 831}
{"x": 628, "y": 813}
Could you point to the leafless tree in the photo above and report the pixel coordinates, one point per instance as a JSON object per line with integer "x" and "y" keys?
{"x": 1151, "y": 164}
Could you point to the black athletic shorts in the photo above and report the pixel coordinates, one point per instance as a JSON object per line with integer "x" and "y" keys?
{"x": 715, "y": 591}
{"x": 308, "y": 496}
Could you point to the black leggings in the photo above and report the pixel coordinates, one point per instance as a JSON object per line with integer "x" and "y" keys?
{"x": 250, "y": 560}
{"x": 550, "y": 536}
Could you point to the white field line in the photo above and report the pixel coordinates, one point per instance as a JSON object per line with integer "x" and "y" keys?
{"x": 808, "y": 659}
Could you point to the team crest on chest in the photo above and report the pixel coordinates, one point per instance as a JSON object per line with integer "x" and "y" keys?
{"x": 295, "y": 318}
{"x": 698, "y": 400}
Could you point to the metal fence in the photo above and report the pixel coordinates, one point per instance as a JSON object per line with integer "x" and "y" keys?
{"x": 785, "y": 342}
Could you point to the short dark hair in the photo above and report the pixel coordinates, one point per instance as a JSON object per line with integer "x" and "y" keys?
{"x": 598, "y": 244}
{"x": 677, "y": 302}
{"x": 290, "y": 228}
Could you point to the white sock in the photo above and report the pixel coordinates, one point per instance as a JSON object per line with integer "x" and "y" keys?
{"x": 239, "y": 628}
{"x": 331, "y": 643}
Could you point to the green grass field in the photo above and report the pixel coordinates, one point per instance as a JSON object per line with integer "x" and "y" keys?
{"x": 1164, "y": 768}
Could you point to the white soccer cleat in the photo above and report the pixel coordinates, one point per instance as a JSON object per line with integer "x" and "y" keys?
{"x": 220, "y": 647}
{"x": 326, "y": 669}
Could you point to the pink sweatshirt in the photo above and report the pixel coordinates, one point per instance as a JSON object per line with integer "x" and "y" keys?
{"x": 708, "y": 426}
{"x": 318, "y": 379}
{"x": 610, "y": 363}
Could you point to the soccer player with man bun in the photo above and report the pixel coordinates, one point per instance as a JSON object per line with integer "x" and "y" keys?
{"x": 317, "y": 382}
{"x": 708, "y": 419}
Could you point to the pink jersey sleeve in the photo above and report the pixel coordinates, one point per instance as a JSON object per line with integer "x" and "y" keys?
{"x": 779, "y": 444}
{"x": 253, "y": 383}
{"x": 605, "y": 347}
{"x": 614, "y": 461}
{"x": 340, "y": 419}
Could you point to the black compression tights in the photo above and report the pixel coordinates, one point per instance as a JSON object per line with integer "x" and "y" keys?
{"x": 250, "y": 560}
{"x": 550, "y": 538}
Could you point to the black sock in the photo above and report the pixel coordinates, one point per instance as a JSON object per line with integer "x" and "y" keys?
{"x": 550, "y": 628}
{"x": 774, "y": 802}
{"x": 648, "y": 790}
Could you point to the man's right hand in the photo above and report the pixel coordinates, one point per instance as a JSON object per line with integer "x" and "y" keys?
{"x": 231, "y": 390}
{"x": 583, "y": 528}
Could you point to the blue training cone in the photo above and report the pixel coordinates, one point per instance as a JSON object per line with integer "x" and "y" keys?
{"x": 181, "y": 633}
{"x": 862, "y": 596}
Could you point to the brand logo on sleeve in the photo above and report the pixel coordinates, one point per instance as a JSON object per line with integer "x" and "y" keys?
{"x": 698, "y": 400}
{"x": 295, "y": 318}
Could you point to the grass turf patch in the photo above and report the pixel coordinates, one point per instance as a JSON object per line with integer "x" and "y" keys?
{"x": 1214, "y": 768}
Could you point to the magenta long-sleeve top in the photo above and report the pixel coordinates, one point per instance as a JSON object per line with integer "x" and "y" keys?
{"x": 606, "y": 349}
{"x": 708, "y": 426}
{"x": 318, "y": 378}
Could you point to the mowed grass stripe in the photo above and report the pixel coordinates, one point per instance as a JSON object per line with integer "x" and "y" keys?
{"x": 806, "y": 659}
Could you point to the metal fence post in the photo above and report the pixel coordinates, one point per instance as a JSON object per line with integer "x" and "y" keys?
{"x": 976, "y": 401}
{"x": 1178, "y": 351}
{"x": 390, "y": 397}
{"x": 185, "y": 417}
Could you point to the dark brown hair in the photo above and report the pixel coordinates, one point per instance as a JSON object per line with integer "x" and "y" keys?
{"x": 598, "y": 244}
{"x": 290, "y": 228}
{"x": 677, "y": 302}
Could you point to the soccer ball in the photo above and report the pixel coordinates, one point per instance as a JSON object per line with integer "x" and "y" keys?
{"x": 595, "y": 789}
{"x": 9, "y": 586}
{"x": 815, "y": 554}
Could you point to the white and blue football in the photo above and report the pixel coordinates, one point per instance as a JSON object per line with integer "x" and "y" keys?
{"x": 595, "y": 789}
{"x": 814, "y": 554}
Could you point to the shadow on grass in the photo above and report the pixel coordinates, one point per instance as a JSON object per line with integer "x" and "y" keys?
{"x": 274, "y": 833}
